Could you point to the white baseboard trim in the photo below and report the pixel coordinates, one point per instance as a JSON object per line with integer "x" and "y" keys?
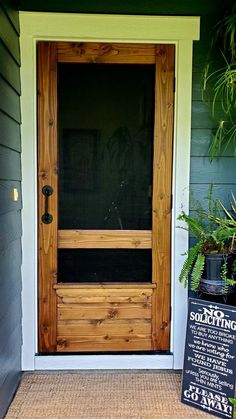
{"x": 103, "y": 362}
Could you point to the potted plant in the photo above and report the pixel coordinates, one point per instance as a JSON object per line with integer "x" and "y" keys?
{"x": 210, "y": 261}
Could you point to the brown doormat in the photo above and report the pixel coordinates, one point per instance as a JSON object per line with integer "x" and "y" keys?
{"x": 105, "y": 395}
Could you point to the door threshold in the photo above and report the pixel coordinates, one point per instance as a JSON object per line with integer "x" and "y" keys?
{"x": 103, "y": 362}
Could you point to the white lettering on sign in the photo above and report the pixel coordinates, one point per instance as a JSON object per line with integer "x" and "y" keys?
{"x": 214, "y": 318}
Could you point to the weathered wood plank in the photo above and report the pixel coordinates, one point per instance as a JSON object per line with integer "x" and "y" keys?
{"x": 96, "y": 344}
{"x": 6, "y": 202}
{"x": 9, "y": 69}
{"x": 10, "y": 132}
{"x": 106, "y": 327}
{"x": 9, "y": 36}
{"x": 74, "y": 52}
{"x": 11, "y": 103}
{"x": 10, "y": 164}
{"x": 162, "y": 187}
{"x": 104, "y": 239}
{"x": 47, "y": 175}
{"x": 103, "y": 311}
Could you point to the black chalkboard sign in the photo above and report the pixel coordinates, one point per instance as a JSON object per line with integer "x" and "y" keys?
{"x": 210, "y": 358}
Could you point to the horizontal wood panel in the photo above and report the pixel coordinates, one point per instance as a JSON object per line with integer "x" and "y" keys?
{"x": 67, "y": 287}
{"x": 10, "y": 293}
{"x": 106, "y": 53}
{"x": 10, "y": 164}
{"x": 9, "y": 36}
{"x": 202, "y": 115}
{"x": 104, "y": 239}
{"x": 9, "y": 68}
{"x": 104, "y": 311}
{"x": 12, "y": 321}
{"x": 10, "y": 132}
{"x": 8, "y": 360}
{"x": 103, "y": 319}
{"x": 81, "y": 299}
{"x": 10, "y": 263}
{"x": 222, "y": 192}
{"x": 73, "y": 296}
{"x": 11, "y": 103}
{"x": 10, "y": 229}
{"x": 106, "y": 327}
{"x": 12, "y": 12}
{"x": 201, "y": 140}
{"x": 95, "y": 344}
{"x": 7, "y": 204}
{"x": 220, "y": 171}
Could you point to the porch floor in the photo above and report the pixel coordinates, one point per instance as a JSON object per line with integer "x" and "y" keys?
{"x": 101, "y": 395}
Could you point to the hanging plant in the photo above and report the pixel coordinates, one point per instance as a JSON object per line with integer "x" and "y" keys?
{"x": 219, "y": 86}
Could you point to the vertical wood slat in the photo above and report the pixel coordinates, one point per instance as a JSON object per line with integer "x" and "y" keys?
{"x": 162, "y": 184}
{"x": 47, "y": 175}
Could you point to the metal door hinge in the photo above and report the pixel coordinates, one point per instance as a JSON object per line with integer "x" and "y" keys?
{"x": 174, "y": 84}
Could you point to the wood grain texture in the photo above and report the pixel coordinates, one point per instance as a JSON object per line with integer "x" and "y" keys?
{"x": 123, "y": 327}
{"x": 75, "y": 52}
{"x": 162, "y": 187}
{"x": 97, "y": 319}
{"x": 104, "y": 311}
{"x": 104, "y": 239}
{"x": 47, "y": 175}
{"x": 103, "y": 343}
{"x": 102, "y": 303}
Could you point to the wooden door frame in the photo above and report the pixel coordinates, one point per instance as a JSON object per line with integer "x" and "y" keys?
{"x": 50, "y": 54}
{"x": 49, "y": 26}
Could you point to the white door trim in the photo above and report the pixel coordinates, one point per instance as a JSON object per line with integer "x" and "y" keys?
{"x": 180, "y": 31}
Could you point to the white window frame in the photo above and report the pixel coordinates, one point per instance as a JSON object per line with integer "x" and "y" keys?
{"x": 177, "y": 30}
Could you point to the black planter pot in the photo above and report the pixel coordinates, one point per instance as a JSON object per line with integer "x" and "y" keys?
{"x": 212, "y": 283}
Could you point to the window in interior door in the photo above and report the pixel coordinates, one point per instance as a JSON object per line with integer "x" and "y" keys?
{"x": 106, "y": 120}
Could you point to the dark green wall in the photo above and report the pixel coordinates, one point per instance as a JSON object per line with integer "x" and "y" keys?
{"x": 10, "y": 216}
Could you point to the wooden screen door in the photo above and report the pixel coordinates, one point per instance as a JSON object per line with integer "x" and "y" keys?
{"x": 105, "y": 133}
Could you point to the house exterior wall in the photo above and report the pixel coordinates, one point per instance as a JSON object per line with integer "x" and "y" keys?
{"x": 10, "y": 215}
{"x": 221, "y": 172}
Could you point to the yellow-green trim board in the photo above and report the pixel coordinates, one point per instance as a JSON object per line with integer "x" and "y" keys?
{"x": 180, "y": 31}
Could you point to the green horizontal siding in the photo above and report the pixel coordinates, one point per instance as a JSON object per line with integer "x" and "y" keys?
{"x": 10, "y": 215}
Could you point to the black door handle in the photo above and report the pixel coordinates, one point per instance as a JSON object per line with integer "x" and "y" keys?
{"x": 46, "y": 217}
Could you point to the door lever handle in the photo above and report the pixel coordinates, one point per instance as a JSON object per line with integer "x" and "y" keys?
{"x": 46, "y": 217}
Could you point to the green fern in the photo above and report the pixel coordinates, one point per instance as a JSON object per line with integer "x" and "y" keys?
{"x": 188, "y": 264}
{"x": 197, "y": 271}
